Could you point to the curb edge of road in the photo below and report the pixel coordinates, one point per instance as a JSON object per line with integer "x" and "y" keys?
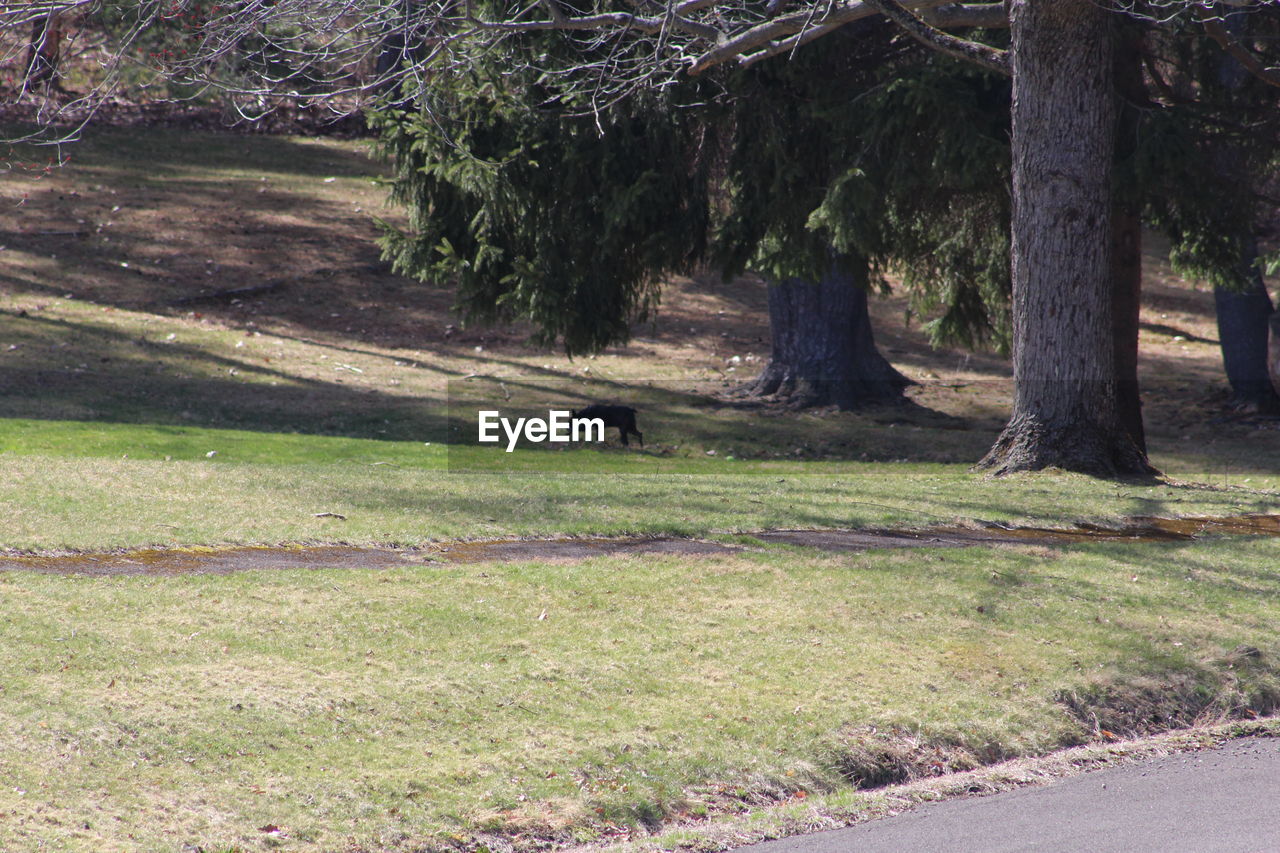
{"x": 821, "y": 812}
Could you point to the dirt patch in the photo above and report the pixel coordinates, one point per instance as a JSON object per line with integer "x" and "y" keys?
{"x": 505, "y": 550}
{"x": 159, "y": 561}
{"x": 1146, "y": 528}
{"x": 864, "y": 540}
{"x": 1137, "y": 529}
{"x": 184, "y": 561}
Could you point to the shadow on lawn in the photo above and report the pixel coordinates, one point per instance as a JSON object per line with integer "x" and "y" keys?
{"x": 83, "y": 370}
{"x": 64, "y": 370}
{"x": 679, "y": 417}
{"x": 144, "y": 220}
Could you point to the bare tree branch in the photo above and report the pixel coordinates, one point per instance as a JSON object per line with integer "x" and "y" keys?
{"x": 787, "y": 25}
{"x": 985, "y": 55}
{"x": 1213, "y": 27}
{"x": 989, "y": 16}
{"x": 258, "y": 55}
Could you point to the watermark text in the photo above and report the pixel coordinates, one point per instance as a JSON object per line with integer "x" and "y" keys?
{"x": 559, "y": 427}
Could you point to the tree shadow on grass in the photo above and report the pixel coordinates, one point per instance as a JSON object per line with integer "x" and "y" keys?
{"x": 146, "y": 219}
{"x": 678, "y": 417}
{"x": 66, "y": 370}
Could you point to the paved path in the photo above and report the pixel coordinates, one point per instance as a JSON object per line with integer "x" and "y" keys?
{"x": 1225, "y": 800}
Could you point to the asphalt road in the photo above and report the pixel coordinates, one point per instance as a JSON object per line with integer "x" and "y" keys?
{"x": 1225, "y": 800}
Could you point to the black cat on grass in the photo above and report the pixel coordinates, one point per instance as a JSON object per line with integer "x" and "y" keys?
{"x": 621, "y": 417}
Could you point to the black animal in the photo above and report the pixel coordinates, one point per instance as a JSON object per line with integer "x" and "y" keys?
{"x": 622, "y": 417}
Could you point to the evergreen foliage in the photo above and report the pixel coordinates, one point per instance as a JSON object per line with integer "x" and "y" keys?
{"x": 1202, "y": 154}
{"x": 542, "y": 208}
{"x": 565, "y": 220}
{"x": 570, "y": 221}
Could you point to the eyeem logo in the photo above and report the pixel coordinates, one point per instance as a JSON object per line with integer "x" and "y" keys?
{"x": 560, "y": 427}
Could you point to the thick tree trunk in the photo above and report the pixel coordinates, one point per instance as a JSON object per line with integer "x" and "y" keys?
{"x": 1243, "y": 327}
{"x": 824, "y": 353}
{"x": 1065, "y": 411}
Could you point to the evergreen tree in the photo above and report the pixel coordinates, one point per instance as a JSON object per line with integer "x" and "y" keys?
{"x": 570, "y": 221}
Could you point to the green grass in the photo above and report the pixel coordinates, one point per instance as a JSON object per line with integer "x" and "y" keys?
{"x": 91, "y": 439}
{"x": 419, "y": 706}
{"x": 87, "y": 503}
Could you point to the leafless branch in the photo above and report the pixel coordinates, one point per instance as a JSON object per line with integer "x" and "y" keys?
{"x": 990, "y": 16}
{"x": 785, "y": 26}
{"x": 259, "y": 54}
{"x": 981, "y": 54}
{"x": 1248, "y": 61}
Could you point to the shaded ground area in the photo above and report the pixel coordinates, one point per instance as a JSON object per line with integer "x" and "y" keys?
{"x": 248, "y": 558}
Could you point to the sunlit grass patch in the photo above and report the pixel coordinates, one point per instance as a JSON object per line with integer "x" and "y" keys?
{"x": 385, "y": 492}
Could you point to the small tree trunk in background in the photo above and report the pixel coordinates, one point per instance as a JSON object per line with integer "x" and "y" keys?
{"x": 824, "y": 353}
{"x": 1065, "y": 409}
{"x": 44, "y": 50}
{"x": 398, "y": 46}
{"x": 1273, "y": 360}
{"x": 1243, "y": 315}
{"x": 1244, "y": 321}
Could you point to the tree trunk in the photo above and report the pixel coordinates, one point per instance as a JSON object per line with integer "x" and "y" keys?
{"x": 1243, "y": 315}
{"x": 1126, "y": 242}
{"x": 1243, "y": 323}
{"x": 44, "y": 50}
{"x": 1065, "y": 410}
{"x": 400, "y": 44}
{"x": 1126, "y": 301}
{"x": 824, "y": 353}
{"x": 1273, "y": 359}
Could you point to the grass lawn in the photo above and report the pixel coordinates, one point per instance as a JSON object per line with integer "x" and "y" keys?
{"x": 59, "y": 503}
{"x": 569, "y": 701}
{"x": 464, "y": 706}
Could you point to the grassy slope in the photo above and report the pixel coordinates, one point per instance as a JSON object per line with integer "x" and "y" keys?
{"x": 569, "y": 700}
{"x": 406, "y": 707}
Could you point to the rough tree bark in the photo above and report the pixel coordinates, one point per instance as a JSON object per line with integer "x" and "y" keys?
{"x": 824, "y": 353}
{"x": 1065, "y": 411}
